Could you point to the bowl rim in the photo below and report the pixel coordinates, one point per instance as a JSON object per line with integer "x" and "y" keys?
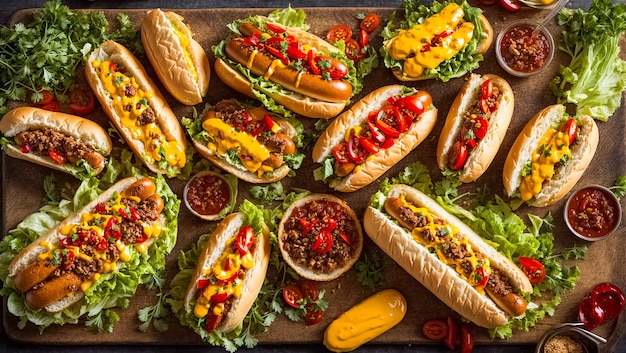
{"x": 611, "y": 195}
{"x": 500, "y": 58}
{"x": 186, "y": 189}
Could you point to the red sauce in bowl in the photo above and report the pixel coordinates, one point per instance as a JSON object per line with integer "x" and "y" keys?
{"x": 207, "y": 194}
{"x": 521, "y": 51}
{"x": 593, "y": 212}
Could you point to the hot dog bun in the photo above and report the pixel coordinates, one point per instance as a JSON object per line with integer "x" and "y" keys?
{"x": 250, "y": 143}
{"x": 252, "y": 278}
{"x": 417, "y": 49}
{"x": 310, "y": 217}
{"x": 92, "y": 135}
{"x": 378, "y": 163}
{"x": 480, "y": 158}
{"x": 55, "y": 286}
{"x": 146, "y": 133}
{"x": 567, "y": 175}
{"x": 251, "y": 69}
{"x": 178, "y": 59}
{"x": 441, "y": 279}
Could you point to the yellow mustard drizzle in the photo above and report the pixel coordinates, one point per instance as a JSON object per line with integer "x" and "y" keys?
{"x": 474, "y": 277}
{"x": 365, "y": 321}
{"x": 227, "y": 265}
{"x": 184, "y": 42}
{"x": 149, "y": 134}
{"x": 552, "y": 147}
{"x": 408, "y": 44}
{"x": 226, "y": 137}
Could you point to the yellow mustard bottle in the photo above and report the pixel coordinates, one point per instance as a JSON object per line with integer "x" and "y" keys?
{"x": 365, "y": 321}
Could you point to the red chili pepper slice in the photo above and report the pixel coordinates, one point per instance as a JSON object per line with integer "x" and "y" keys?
{"x": 203, "y": 283}
{"x": 253, "y": 40}
{"x": 533, "y": 268}
{"x": 312, "y": 63}
{"x": 387, "y": 144}
{"x": 67, "y": 241}
{"x": 220, "y": 297}
{"x": 437, "y": 39}
{"x": 295, "y": 53}
{"x": 245, "y": 240}
{"x": 57, "y": 157}
{"x": 277, "y": 53}
{"x": 425, "y": 48}
{"x": 369, "y": 145}
{"x": 345, "y": 238}
{"x": 467, "y": 339}
{"x": 390, "y": 121}
{"x": 101, "y": 208}
{"x": 470, "y": 143}
{"x": 450, "y": 339}
{"x": 275, "y": 28}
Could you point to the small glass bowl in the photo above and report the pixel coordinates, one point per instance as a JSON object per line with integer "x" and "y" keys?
{"x": 527, "y": 25}
{"x": 611, "y": 198}
{"x": 573, "y": 331}
{"x": 208, "y": 217}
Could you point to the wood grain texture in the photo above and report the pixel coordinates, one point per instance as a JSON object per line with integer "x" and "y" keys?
{"x": 24, "y": 181}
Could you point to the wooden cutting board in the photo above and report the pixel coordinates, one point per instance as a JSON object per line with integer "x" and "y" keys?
{"x": 23, "y": 185}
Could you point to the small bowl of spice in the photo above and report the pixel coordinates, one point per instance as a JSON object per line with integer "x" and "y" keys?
{"x": 566, "y": 338}
{"x": 210, "y": 195}
{"x": 593, "y": 213}
{"x": 521, "y": 53}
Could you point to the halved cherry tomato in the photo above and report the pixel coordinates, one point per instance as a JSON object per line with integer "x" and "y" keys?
{"x": 390, "y": 121}
{"x": 369, "y": 145}
{"x": 377, "y": 135}
{"x": 336, "y": 69}
{"x": 458, "y": 155}
{"x": 480, "y": 127}
{"x": 364, "y": 39}
{"x": 309, "y": 290}
{"x": 275, "y": 28}
{"x": 113, "y": 229}
{"x": 327, "y": 242}
{"x": 340, "y": 152}
{"x": 484, "y": 107}
{"x": 484, "y": 277}
{"x": 510, "y": 5}
{"x": 57, "y": 157}
{"x": 467, "y": 339}
{"x": 82, "y": 101}
{"x": 245, "y": 239}
{"x": 307, "y": 225}
{"x": 292, "y": 295}
{"x": 416, "y": 103}
{"x": 47, "y": 97}
{"x": 435, "y": 329}
{"x": 590, "y": 313}
{"x": 356, "y": 151}
{"x": 486, "y": 89}
{"x": 533, "y": 268}
{"x": 450, "y": 339}
{"x": 53, "y": 106}
{"x": 570, "y": 128}
{"x": 339, "y": 32}
{"x": 370, "y": 22}
{"x": 353, "y": 50}
{"x": 313, "y": 315}
{"x": 609, "y": 298}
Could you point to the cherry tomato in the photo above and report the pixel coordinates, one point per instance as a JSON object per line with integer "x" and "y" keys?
{"x": 47, "y": 97}
{"x": 275, "y": 28}
{"x": 590, "y": 313}
{"x": 309, "y": 290}
{"x": 458, "y": 156}
{"x": 335, "y": 68}
{"x": 369, "y": 145}
{"x": 245, "y": 239}
{"x": 113, "y": 229}
{"x": 534, "y": 270}
{"x": 390, "y": 121}
{"x": 364, "y": 39}
{"x": 356, "y": 151}
{"x": 53, "y": 106}
{"x": 480, "y": 128}
{"x": 570, "y": 128}
{"x": 57, "y": 157}
{"x": 353, "y": 50}
{"x": 416, "y": 103}
{"x": 292, "y": 295}
{"x": 467, "y": 339}
{"x": 327, "y": 242}
{"x": 610, "y": 298}
{"x": 339, "y": 32}
{"x": 370, "y": 23}
{"x": 486, "y": 89}
{"x": 510, "y": 5}
{"x": 435, "y": 329}
{"x": 340, "y": 152}
{"x": 450, "y": 339}
{"x": 82, "y": 101}
{"x": 313, "y": 315}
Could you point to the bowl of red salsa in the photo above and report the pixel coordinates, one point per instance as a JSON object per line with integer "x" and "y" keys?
{"x": 210, "y": 195}
{"x": 520, "y": 53}
{"x": 593, "y": 213}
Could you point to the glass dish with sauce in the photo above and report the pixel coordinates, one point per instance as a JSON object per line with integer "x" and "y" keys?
{"x": 593, "y": 213}
{"x": 210, "y": 195}
{"x": 521, "y": 54}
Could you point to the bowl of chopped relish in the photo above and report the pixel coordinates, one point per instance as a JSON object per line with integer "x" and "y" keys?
{"x": 210, "y": 195}
{"x": 520, "y": 53}
{"x": 593, "y": 213}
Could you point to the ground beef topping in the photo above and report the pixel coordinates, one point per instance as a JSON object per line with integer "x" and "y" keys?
{"x": 45, "y": 140}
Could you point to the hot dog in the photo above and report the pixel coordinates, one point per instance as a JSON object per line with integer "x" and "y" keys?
{"x": 475, "y": 126}
{"x": 372, "y": 136}
{"x": 461, "y": 268}
{"x": 549, "y": 156}
{"x": 178, "y": 59}
{"x": 444, "y": 41}
{"x": 320, "y": 237}
{"x": 136, "y": 107}
{"x": 287, "y": 65}
{"x": 56, "y": 270}
{"x": 263, "y": 143}
{"x": 69, "y": 140}
{"x": 229, "y": 274}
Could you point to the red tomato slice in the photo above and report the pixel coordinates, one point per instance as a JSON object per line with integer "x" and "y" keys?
{"x": 450, "y": 339}
{"x": 82, "y": 101}
{"x": 484, "y": 277}
{"x": 292, "y": 295}
{"x": 467, "y": 339}
{"x": 313, "y": 315}
{"x": 510, "y": 5}
{"x": 486, "y": 89}
{"x": 353, "y": 50}
{"x": 312, "y": 64}
{"x": 47, "y": 97}
{"x": 309, "y": 290}
{"x": 484, "y": 107}
{"x": 435, "y": 329}
{"x": 480, "y": 128}
{"x": 533, "y": 268}
{"x": 53, "y": 106}
{"x": 340, "y": 152}
{"x": 275, "y": 28}
{"x": 370, "y": 23}
{"x": 570, "y": 128}
{"x": 245, "y": 239}
{"x": 364, "y": 38}
{"x": 327, "y": 242}
{"x": 415, "y": 103}
{"x": 336, "y": 69}
{"x": 390, "y": 121}
{"x": 610, "y": 298}
{"x": 356, "y": 151}
{"x": 590, "y": 313}
{"x": 339, "y": 32}
{"x": 369, "y": 145}
{"x": 458, "y": 156}
{"x": 57, "y": 157}
{"x": 377, "y": 135}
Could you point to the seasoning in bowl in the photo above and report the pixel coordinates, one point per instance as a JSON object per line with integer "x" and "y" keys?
{"x": 563, "y": 344}
{"x": 522, "y": 54}
{"x": 210, "y": 195}
{"x": 593, "y": 213}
